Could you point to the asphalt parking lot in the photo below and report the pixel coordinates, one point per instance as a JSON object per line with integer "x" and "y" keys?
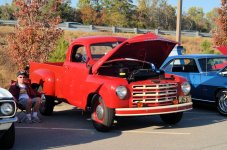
{"x": 67, "y": 129}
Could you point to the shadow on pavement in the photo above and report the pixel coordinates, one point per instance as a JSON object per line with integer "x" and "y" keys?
{"x": 70, "y": 127}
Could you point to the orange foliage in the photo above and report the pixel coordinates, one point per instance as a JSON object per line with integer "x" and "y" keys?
{"x": 36, "y": 32}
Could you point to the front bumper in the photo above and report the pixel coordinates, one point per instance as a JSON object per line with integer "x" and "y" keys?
{"x": 7, "y": 122}
{"x": 143, "y": 111}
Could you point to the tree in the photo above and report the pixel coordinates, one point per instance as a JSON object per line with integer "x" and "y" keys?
{"x": 118, "y": 12}
{"x": 91, "y": 12}
{"x": 67, "y": 13}
{"x": 198, "y": 20}
{"x": 220, "y": 32}
{"x": 6, "y": 12}
{"x": 36, "y": 32}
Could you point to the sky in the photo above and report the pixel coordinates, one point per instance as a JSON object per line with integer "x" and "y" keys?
{"x": 207, "y": 5}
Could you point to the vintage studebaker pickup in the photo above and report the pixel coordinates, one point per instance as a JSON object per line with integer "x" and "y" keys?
{"x": 114, "y": 76}
{"x": 7, "y": 119}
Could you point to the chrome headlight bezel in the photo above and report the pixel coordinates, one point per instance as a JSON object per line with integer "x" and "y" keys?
{"x": 7, "y": 109}
{"x": 121, "y": 92}
{"x": 186, "y": 88}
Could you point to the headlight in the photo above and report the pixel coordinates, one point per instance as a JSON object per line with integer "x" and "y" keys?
{"x": 186, "y": 88}
{"x": 6, "y": 109}
{"x": 121, "y": 92}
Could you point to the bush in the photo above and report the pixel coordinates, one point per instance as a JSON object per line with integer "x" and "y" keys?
{"x": 59, "y": 54}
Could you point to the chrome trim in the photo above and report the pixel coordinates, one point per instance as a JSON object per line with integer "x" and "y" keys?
{"x": 203, "y": 100}
{"x": 15, "y": 108}
{"x": 153, "y": 108}
{"x": 153, "y": 93}
{"x": 8, "y": 120}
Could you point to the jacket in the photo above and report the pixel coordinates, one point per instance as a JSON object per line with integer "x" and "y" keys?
{"x": 15, "y": 91}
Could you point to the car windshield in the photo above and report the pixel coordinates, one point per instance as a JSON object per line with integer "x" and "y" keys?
{"x": 100, "y": 49}
{"x": 212, "y": 64}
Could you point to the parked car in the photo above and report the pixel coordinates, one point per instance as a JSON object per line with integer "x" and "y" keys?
{"x": 207, "y": 74}
{"x": 114, "y": 76}
{"x": 7, "y": 119}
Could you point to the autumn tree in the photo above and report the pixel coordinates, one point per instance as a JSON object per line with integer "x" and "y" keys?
{"x": 220, "y": 32}
{"x": 36, "y": 32}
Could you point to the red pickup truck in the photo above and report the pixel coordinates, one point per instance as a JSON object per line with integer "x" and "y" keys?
{"x": 114, "y": 76}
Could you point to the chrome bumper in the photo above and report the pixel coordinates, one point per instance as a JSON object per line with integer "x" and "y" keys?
{"x": 143, "y": 111}
{"x": 6, "y": 123}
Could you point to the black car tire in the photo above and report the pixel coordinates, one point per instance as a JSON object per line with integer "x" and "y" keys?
{"x": 172, "y": 118}
{"x": 8, "y": 138}
{"x": 101, "y": 121}
{"x": 47, "y": 106}
{"x": 222, "y": 102}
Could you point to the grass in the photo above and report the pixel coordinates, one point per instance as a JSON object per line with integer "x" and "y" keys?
{"x": 8, "y": 70}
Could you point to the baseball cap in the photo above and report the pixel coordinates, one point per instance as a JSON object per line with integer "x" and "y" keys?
{"x": 21, "y": 73}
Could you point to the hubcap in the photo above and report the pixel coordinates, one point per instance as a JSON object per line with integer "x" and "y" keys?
{"x": 223, "y": 102}
{"x": 99, "y": 112}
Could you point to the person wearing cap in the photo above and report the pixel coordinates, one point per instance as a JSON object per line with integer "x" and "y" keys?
{"x": 26, "y": 96}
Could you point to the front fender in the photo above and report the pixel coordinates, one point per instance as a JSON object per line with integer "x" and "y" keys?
{"x": 46, "y": 79}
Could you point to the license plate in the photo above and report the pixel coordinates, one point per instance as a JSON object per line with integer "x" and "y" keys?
{"x": 185, "y": 99}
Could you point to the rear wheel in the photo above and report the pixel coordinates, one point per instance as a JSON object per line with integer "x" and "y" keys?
{"x": 222, "y": 102}
{"x": 102, "y": 116}
{"x": 172, "y": 118}
{"x": 8, "y": 138}
{"x": 47, "y": 106}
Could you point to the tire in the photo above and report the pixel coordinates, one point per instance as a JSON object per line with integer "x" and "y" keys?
{"x": 8, "y": 138}
{"x": 222, "y": 102}
{"x": 47, "y": 106}
{"x": 172, "y": 118}
{"x": 102, "y": 116}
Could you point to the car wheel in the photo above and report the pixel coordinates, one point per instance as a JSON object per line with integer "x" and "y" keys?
{"x": 172, "y": 118}
{"x": 102, "y": 116}
{"x": 8, "y": 138}
{"x": 222, "y": 102}
{"x": 47, "y": 106}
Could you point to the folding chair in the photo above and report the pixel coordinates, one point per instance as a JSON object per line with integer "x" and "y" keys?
{"x": 21, "y": 115}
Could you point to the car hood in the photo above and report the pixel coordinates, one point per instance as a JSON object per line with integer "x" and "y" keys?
{"x": 147, "y": 47}
{"x": 223, "y": 49}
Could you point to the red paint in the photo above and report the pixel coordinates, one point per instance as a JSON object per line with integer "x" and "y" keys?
{"x": 76, "y": 82}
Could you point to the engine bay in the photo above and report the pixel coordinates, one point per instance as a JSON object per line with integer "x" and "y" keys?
{"x": 131, "y": 69}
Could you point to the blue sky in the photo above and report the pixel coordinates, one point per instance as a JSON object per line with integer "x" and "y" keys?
{"x": 207, "y": 5}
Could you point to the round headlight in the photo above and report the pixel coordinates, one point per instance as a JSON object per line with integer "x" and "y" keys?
{"x": 186, "y": 88}
{"x": 6, "y": 109}
{"x": 121, "y": 92}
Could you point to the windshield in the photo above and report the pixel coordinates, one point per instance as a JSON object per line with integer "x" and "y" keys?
{"x": 100, "y": 49}
{"x": 212, "y": 64}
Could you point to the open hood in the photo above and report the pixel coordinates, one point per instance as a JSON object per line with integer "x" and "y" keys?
{"x": 223, "y": 49}
{"x": 147, "y": 47}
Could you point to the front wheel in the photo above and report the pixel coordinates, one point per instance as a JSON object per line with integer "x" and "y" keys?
{"x": 222, "y": 102}
{"x": 8, "y": 138}
{"x": 172, "y": 118}
{"x": 102, "y": 116}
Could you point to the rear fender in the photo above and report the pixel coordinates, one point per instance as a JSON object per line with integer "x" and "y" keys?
{"x": 46, "y": 79}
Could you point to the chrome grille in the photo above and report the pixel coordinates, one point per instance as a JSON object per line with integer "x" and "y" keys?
{"x": 154, "y": 93}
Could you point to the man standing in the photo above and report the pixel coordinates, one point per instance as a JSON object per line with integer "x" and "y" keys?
{"x": 26, "y": 96}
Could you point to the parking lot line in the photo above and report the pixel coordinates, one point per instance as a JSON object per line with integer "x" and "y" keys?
{"x": 149, "y": 132}
{"x": 91, "y": 130}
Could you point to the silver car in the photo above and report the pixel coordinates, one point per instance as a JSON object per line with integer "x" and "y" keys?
{"x": 7, "y": 119}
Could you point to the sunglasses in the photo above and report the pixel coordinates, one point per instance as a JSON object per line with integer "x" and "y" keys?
{"x": 22, "y": 77}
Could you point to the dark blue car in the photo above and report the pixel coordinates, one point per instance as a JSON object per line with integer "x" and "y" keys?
{"x": 207, "y": 74}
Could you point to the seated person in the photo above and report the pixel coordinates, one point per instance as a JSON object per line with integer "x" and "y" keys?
{"x": 26, "y": 96}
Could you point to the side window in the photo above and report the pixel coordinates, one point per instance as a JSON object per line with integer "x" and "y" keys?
{"x": 182, "y": 65}
{"x": 79, "y": 54}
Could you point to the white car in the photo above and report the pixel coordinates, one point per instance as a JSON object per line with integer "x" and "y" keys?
{"x": 7, "y": 119}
